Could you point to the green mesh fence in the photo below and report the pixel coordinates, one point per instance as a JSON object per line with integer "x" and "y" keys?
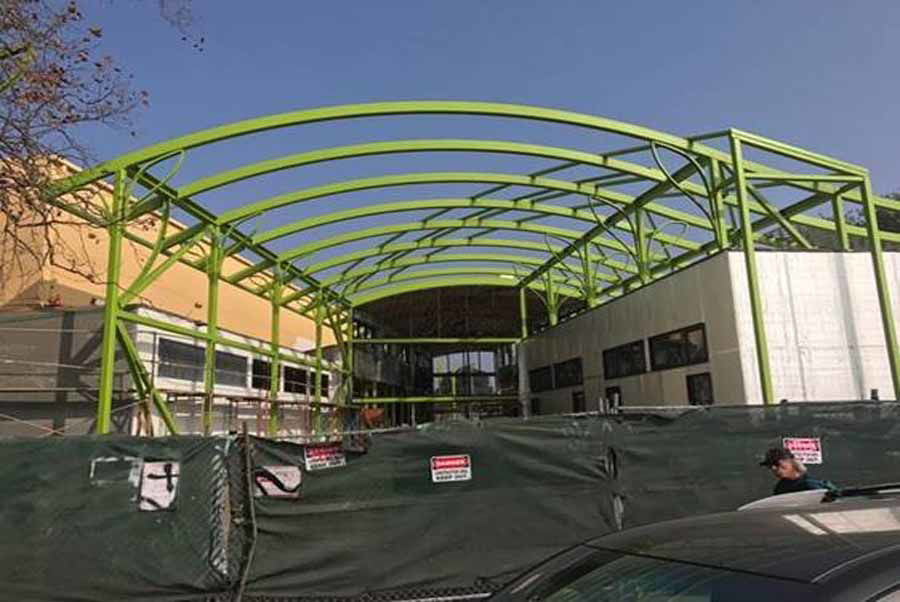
{"x": 377, "y": 526}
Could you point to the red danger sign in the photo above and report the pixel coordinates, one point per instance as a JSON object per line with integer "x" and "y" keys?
{"x": 805, "y": 449}
{"x": 445, "y": 469}
{"x": 324, "y": 456}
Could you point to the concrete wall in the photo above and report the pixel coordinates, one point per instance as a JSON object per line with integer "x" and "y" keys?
{"x": 701, "y": 293}
{"x": 822, "y": 317}
{"x": 50, "y": 372}
{"x": 823, "y": 324}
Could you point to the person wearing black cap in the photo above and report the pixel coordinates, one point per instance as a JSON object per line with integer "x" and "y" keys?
{"x": 791, "y": 473}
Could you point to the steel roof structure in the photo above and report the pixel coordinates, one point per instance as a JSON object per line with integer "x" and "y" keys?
{"x": 588, "y": 224}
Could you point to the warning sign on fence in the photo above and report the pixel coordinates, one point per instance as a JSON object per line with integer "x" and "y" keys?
{"x": 805, "y": 449}
{"x": 445, "y": 469}
{"x": 324, "y": 456}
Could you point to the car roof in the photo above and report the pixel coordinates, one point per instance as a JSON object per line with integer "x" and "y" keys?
{"x": 806, "y": 544}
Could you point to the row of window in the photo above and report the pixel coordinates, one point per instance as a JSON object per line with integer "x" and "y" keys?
{"x": 182, "y": 361}
{"x": 699, "y": 390}
{"x": 683, "y": 347}
{"x": 564, "y": 374}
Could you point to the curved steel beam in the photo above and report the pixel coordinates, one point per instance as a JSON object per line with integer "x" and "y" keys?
{"x": 406, "y": 287}
{"x": 295, "y": 118}
{"x": 404, "y": 262}
{"x": 559, "y": 281}
{"x": 413, "y": 179}
{"x": 428, "y": 243}
{"x": 525, "y": 205}
{"x": 442, "y": 224}
{"x": 407, "y": 262}
{"x": 354, "y": 151}
{"x": 444, "y": 243}
{"x": 438, "y": 224}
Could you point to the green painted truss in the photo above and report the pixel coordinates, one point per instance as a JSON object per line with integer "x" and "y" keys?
{"x": 629, "y": 222}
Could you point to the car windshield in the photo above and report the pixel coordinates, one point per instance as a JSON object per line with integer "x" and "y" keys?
{"x": 604, "y": 577}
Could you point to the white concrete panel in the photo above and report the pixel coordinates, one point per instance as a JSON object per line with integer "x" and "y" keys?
{"x": 823, "y": 324}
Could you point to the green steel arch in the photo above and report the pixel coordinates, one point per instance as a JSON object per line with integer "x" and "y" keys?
{"x": 510, "y": 277}
{"x": 428, "y": 284}
{"x": 441, "y": 244}
{"x": 297, "y": 118}
{"x": 515, "y": 260}
{"x": 540, "y": 209}
{"x": 625, "y": 240}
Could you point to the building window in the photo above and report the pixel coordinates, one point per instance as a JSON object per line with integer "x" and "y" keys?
{"x": 578, "y": 403}
{"x": 624, "y": 360}
{"x": 568, "y": 373}
{"x": 325, "y": 376}
{"x": 679, "y": 348}
{"x": 261, "y": 375}
{"x": 295, "y": 380}
{"x": 231, "y": 369}
{"x": 613, "y": 397}
{"x": 700, "y": 391}
{"x": 181, "y": 361}
{"x": 540, "y": 379}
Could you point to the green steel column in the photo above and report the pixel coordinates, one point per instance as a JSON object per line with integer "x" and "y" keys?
{"x": 318, "y": 386}
{"x": 840, "y": 221}
{"x": 116, "y": 228}
{"x": 641, "y": 246}
{"x": 552, "y": 303}
{"x": 523, "y": 312}
{"x": 275, "y": 365}
{"x": 756, "y": 308}
{"x": 720, "y": 225}
{"x": 349, "y": 347}
{"x": 213, "y": 267}
{"x": 881, "y": 282}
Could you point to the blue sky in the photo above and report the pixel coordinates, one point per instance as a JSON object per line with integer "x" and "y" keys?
{"x": 820, "y": 74}
{"x": 817, "y": 74}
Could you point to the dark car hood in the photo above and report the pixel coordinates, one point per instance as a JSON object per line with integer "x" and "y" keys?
{"x": 797, "y": 543}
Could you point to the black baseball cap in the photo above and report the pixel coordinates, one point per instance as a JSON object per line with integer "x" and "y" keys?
{"x": 776, "y": 454}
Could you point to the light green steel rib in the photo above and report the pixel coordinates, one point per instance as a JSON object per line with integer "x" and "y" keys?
{"x": 793, "y": 152}
{"x": 478, "y": 203}
{"x": 406, "y": 287}
{"x": 783, "y": 221}
{"x": 295, "y": 118}
{"x": 312, "y": 247}
{"x": 428, "y": 260}
{"x": 411, "y": 146}
{"x": 444, "y": 107}
{"x": 525, "y": 245}
{"x": 340, "y": 239}
{"x": 412, "y": 179}
{"x": 414, "y": 261}
{"x": 439, "y": 145}
{"x": 503, "y": 273}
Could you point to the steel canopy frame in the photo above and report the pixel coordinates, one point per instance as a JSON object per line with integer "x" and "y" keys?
{"x": 621, "y": 245}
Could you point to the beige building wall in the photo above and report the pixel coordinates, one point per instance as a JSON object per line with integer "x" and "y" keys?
{"x": 701, "y": 293}
{"x": 182, "y": 290}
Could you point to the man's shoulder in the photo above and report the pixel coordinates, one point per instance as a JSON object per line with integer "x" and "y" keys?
{"x": 814, "y": 483}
